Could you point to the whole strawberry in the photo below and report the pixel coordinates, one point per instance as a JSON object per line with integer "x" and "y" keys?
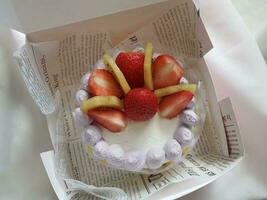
{"x": 140, "y": 104}
{"x": 132, "y": 66}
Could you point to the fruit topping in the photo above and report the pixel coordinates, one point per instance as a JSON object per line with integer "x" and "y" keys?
{"x": 111, "y": 119}
{"x": 112, "y": 66}
{"x": 173, "y": 89}
{"x": 166, "y": 71}
{"x": 148, "y": 66}
{"x": 153, "y": 80}
{"x": 140, "y": 104}
{"x": 102, "y": 83}
{"x": 132, "y": 66}
{"x": 170, "y": 106}
{"x": 101, "y": 102}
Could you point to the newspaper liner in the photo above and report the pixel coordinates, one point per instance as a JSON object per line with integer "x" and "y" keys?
{"x": 49, "y": 67}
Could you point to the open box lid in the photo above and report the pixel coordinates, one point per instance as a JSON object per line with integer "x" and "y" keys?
{"x": 181, "y": 25}
{"x": 195, "y": 43}
{"x": 186, "y": 37}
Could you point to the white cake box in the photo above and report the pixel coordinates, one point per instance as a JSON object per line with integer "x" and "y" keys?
{"x": 46, "y": 60}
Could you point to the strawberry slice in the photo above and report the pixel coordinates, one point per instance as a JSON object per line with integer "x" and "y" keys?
{"x": 170, "y": 106}
{"x": 166, "y": 71}
{"x": 111, "y": 119}
{"x": 102, "y": 83}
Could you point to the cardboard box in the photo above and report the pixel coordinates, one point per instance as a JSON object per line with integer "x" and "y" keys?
{"x": 39, "y": 54}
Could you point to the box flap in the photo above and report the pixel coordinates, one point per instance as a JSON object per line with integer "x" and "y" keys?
{"x": 192, "y": 36}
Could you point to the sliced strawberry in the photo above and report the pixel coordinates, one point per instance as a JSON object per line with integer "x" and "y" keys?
{"x": 170, "y": 106}
{"x": 166, "y": 71}
{"x": 102, "y": 83}
{"x": 132, "y": 66}
{"x": 111, "y": 119}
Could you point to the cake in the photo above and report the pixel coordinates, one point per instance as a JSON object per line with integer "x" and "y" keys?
{"x": 137, "y": 111}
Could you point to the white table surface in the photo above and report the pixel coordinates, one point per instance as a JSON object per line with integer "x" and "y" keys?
{"x": 23, "y": 130}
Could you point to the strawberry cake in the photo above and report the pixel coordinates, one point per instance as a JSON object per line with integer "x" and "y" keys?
{"x": 137, "y": 111}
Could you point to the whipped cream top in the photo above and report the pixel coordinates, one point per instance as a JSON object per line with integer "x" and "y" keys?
{"x": 144, "y": 135}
